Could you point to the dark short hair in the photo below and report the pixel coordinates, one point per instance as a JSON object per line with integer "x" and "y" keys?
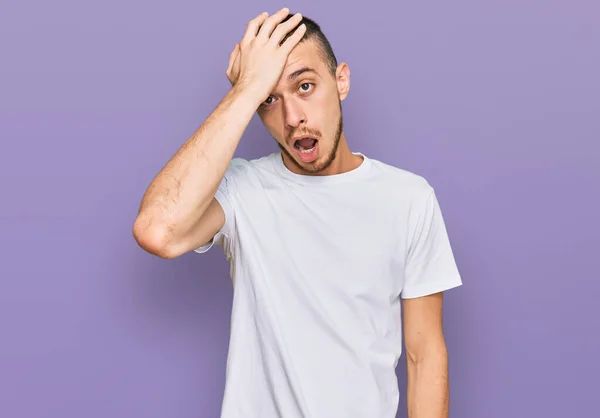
{"x": 314, "y": 32}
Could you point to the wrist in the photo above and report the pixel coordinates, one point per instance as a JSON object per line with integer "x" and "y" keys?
{"x": 247, "y": 94}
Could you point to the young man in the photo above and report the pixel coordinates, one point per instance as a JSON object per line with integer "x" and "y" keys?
{"x": 324, "y": 243}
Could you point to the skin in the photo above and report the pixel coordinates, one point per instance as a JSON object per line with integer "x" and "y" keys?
{"x": 179, "y": 213}
{"x": 308, "y": 101}
{"x": 426, "y": 357}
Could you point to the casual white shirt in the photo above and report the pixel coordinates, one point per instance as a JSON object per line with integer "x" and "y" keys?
{"x": 319, "y": 265}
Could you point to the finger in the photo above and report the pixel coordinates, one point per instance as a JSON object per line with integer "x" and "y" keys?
{"x": 293, "y": 40}
{"x": 232, "y": 57}
{"x": 252, "y": 28}
{"x": 284, "y": 28}
{"x": 235, "y": 72}
{"x": 269, "y": 24}
{"x": 236, "y": 65}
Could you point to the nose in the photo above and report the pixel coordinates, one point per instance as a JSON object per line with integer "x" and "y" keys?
{"x": 294, "y": 115}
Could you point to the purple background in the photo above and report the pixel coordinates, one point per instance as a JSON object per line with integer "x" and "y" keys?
{"x": 497, "y": 104}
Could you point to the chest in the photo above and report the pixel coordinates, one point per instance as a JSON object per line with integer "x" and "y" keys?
{"x": 349, "y": 240}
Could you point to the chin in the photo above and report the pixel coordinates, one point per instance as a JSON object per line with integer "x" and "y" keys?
{"x": 319, "y": 157}
{"x": 312, "y": 162}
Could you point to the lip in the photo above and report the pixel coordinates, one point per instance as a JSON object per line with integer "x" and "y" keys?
{"x": 293, "y": 140}
{"x": 307, "y": 158}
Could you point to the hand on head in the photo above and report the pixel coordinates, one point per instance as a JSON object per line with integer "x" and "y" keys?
{"x": 256, "y": 63}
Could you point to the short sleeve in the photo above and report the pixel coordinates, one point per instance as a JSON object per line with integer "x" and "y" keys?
{"x": 430, "y": 264}
{"x": 223, "y": 195}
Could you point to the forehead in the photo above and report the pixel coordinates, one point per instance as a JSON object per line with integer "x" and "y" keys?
{"x": 304, "y": 55}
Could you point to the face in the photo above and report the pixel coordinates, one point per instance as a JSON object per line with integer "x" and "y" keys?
{"x": 304, "y": 114}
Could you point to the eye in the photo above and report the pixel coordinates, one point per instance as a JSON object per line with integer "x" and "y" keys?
{"x": 304, "y": 87}
{"x": 269, "y": 100}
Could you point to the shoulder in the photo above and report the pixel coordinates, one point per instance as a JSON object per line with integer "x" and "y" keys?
{"x": 243, "y": 166}
{"x": 412, "y": 187}
{"x": 250, "y": 174}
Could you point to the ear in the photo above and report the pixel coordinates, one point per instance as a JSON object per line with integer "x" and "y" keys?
{"x": 342, "y": 78}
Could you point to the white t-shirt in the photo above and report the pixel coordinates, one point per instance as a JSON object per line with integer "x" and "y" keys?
{"x": 319, "y": 264}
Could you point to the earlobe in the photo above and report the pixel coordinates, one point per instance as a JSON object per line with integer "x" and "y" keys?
{"x": 342, "y": 76}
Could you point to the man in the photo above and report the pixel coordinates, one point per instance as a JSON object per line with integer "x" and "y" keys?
{"x": 325, "y": 244}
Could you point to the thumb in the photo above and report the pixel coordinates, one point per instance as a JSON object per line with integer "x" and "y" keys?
{"x": 233, "y": 55}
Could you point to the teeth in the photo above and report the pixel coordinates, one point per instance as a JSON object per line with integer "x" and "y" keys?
{"x": 307, "y": 151}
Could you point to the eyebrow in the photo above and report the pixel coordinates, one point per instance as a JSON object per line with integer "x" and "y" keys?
{"x": 299, "y": 72}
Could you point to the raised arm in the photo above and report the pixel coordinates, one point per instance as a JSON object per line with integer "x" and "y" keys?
{"x": 178, "y": 211}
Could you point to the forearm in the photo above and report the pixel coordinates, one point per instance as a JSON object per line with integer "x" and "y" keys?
{"x": 428, "y": 386}
{"x": 183, "y": 189}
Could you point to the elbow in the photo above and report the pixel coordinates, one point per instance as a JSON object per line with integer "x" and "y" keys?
{"x": 431, "y": 351}
{"x": 154, "y": 238}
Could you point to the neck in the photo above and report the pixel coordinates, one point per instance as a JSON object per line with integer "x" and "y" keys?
{"x": 344, "y": 160}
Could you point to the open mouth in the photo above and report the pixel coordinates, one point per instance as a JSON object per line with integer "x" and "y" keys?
{"x": 307, "y": 149}
{"x": 305, "y": 145}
